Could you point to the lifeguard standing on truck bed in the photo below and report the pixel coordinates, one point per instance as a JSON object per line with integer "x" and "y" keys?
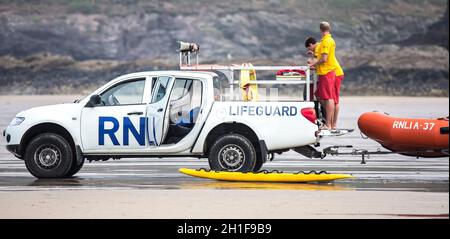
{"x": 337, "y": 82}
{"x": 326, "y": 67}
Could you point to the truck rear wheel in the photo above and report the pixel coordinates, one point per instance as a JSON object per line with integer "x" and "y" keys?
{"x": 75, "y": 168}
{"x": 232, "y": 152}
{"x": 259, "y": 164}
{"x": 48, "y": 155}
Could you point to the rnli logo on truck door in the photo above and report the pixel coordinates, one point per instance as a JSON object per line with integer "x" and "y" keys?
{"x": 128, "y": 129}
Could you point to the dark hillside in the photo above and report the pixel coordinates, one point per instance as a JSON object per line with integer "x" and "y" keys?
{"x": 386, "y": 47}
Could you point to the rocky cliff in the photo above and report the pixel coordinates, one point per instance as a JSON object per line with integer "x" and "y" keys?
{"x": 395, "y": 47}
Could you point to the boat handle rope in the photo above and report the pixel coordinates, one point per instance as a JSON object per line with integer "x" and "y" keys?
{"x": 266, "y": 171}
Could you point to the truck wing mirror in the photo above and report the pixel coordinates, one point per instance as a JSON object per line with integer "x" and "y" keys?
{"x": 94, "y": 101}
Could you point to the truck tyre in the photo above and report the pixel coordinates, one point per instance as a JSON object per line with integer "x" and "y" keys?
{"x": 232, "y": 152}
{"x": 75, "y": 168}
{"x": 48, "y": 155}
{"x": 259, "y": 163}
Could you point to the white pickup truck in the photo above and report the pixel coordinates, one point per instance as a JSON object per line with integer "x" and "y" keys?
{"x": 161, "y": 114}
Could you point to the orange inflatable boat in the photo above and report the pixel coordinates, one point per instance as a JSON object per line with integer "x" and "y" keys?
{"x": 412, "y": 137}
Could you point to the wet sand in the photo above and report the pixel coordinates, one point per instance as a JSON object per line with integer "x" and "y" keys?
{"x": 388, "y": 186}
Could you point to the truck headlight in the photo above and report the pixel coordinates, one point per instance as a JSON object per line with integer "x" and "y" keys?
{"x": 16, "y": 121}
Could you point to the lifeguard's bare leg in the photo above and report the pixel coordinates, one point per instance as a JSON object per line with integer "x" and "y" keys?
{"x": 328, "y": 105}
{"x": 335, "y": 116}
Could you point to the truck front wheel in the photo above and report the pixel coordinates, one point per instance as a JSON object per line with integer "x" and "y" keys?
{"x": 232, "y": 152}
{"x": 48, "y": 155}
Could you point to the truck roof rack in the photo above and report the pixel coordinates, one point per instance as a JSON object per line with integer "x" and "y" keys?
{"x": 188, "y": 49}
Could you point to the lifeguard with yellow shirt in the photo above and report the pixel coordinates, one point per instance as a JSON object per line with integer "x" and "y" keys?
{"x": 329, "y": 72}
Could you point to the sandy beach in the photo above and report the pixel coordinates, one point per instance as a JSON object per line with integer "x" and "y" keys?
{"x": 194, "y": 204}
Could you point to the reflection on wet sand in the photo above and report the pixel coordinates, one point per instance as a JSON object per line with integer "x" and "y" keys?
{"x": 265, "y": 186}
{"x": 57, "y": 182}
{"x": 218, "y": 185}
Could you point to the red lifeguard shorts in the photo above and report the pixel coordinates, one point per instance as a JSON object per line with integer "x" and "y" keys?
{"x": 337, "y": 88}
{"x": 325, "y": 86}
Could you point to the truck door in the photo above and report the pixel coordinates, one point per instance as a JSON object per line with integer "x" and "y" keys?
{"x": 119, "y": 122}
{"x": 157, "y": 113}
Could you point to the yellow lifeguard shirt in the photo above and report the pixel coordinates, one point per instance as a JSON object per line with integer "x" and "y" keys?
{"x": 339, "y": 71}
{"x": 328, "y": 46}
{"x": 316, "y": 51}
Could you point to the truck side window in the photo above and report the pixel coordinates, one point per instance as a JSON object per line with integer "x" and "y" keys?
{"x": 160, "y": 88}
{"x": 180, "y": 89}
{"x": 126, "y": 93}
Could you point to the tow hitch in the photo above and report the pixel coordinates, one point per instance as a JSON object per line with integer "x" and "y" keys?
{"x": 334, "y": 151}
{"x": 310, "y": 152}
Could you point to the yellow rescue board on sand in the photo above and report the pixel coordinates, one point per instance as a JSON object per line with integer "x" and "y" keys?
{"x": 264, "y": 176}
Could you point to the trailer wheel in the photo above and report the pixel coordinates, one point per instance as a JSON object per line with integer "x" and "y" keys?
{"x": 48, "y": 155}
{"x": 232, "y": 152}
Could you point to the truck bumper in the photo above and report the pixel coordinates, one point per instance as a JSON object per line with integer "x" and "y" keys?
{"x": 14, "y": 149}
{"x": 11, "y": 143}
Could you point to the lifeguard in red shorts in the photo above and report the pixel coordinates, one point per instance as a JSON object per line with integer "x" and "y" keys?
{"x": 326, "y": 70}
